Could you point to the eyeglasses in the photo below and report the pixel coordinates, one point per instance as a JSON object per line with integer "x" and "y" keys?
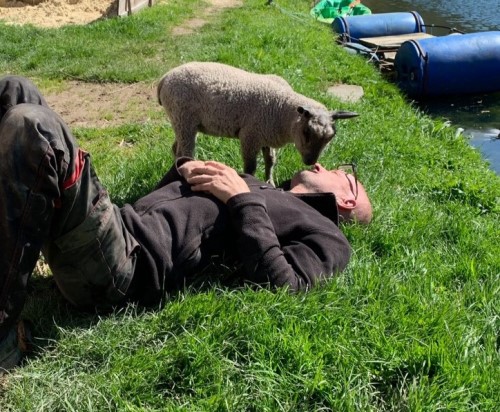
{"x": 350, "y": 169}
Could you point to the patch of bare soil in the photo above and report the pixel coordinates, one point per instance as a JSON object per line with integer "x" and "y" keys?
{"x": 97, "y": 105}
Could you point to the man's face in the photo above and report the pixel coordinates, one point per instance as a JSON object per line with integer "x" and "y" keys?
{"x": 352, "y": 199}
{"x": 318, "y": 179}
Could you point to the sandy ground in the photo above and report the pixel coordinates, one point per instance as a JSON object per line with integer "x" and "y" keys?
{"x": 56, "y": 13}
{"x": 97, "y": 105}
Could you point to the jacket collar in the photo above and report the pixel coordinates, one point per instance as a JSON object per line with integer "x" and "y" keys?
{"x": 324, "y": 203}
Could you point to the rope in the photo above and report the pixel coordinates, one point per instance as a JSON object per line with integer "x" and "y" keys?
{"x": 297, "y": 16}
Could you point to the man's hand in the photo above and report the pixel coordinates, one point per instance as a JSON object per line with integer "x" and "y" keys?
{"x": 213, "y": 177}
{"x": 186, "y": 169}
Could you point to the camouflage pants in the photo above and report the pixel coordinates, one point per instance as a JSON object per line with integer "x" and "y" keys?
{"x": 52, "y": 201}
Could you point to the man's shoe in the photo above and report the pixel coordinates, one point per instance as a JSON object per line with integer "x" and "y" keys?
{"x": 14, "y": 346}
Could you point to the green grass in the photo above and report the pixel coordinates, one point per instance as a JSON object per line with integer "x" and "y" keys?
{"x": 411, "y": 325}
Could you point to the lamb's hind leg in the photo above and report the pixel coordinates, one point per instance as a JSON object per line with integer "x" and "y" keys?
{"x": 269, "y": 160}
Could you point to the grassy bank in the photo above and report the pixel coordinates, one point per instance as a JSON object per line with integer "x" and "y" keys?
{"x": 412, "y": 324}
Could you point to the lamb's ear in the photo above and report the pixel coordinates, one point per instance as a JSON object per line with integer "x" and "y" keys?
{"x": 304, "y": 111}
{"x": 342, "y": 115}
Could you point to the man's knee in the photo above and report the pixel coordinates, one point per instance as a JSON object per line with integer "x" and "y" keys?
{"x": 16, "y": 90}
{"x": 27, "y": 121}
{"x": 23, "y": 115}
{"x": 25, "y": 124}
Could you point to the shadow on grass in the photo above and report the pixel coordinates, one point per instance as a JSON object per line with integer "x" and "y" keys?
{"x": 51, "y": 314}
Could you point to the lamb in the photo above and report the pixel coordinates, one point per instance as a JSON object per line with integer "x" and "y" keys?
{"x": 261, "y": 110}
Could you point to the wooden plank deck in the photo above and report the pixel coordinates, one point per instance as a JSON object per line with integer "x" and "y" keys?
{"x": 392, "y": 42}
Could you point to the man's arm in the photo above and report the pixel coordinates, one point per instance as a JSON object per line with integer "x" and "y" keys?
{"x": 310, "y": 246}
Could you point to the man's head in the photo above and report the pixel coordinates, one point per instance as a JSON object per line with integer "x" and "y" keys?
{"x": 352, "y": 199}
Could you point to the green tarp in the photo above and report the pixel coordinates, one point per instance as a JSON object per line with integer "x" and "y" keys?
{"x": 326, "y": 10}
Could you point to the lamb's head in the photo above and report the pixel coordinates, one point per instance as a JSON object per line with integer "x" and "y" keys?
{"x": 316, "y": 130}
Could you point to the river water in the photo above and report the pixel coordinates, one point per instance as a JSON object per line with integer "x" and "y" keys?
{"x": 479, "y": 116}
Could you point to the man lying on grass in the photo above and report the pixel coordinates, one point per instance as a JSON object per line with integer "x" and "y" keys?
{"x": 102, "y": 256}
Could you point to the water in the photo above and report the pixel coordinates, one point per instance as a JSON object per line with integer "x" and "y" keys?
{"x": 479, "y": 116}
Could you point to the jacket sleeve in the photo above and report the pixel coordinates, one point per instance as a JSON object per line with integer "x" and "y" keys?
{"x": 312, "y": 248}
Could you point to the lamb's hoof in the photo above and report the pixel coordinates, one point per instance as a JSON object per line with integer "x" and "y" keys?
{"x": 270, "y": 182}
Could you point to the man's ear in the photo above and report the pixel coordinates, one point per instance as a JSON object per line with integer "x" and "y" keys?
{"x": 348, "y": 204}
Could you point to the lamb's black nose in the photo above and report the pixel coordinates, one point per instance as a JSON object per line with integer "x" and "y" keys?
{"x": 309, "y": 160}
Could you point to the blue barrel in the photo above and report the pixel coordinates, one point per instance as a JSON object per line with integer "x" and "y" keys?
{"x": 352, "y": 28}
{"x": 449, "y": 65}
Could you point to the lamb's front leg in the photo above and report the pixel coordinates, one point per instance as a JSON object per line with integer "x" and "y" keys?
{"x": 249, "y": 152}
{"x": 185, "y": 140}
{"x": 269, "y": 155}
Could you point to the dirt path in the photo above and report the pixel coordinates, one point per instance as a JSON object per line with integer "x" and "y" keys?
{"x": 97, "y": 105}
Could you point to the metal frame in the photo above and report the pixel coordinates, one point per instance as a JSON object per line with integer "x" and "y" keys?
{"x": 126, "y": 7}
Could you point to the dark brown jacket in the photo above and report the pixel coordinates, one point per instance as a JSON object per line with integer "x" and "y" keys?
{"x": 276, "y": 237}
